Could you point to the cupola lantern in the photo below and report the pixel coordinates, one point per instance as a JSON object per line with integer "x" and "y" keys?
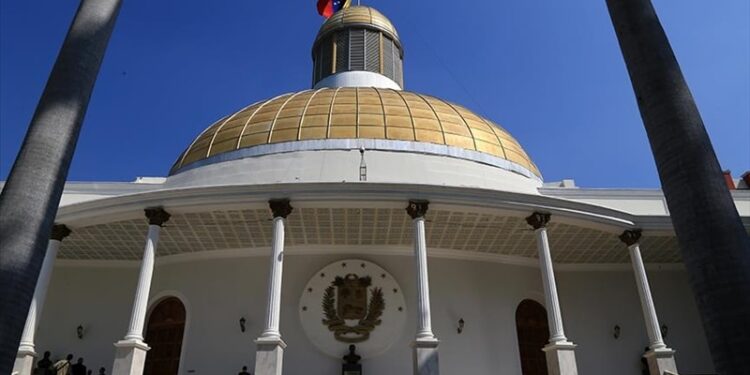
{"x": 358, "y": 47}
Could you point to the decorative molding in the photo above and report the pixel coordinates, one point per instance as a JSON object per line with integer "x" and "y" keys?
{"x": 631, "y": 237}
{"x": 280, "y": 207}
{"x": 157, "y": 216}
{"x": 538, "y": 220}
{"x": 59, "y": 232}
{"x": 371, "y": 251}
{"x": 417, "y": 208}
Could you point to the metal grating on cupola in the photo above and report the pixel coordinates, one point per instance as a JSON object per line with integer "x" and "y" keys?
{"x": 372, "y": 51}
{"x": 356, "y": 49}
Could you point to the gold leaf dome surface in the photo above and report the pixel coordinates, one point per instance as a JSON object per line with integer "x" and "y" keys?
{"x": 355, "y": 113}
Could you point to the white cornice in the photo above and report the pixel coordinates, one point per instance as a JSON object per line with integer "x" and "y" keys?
{"x": 210, "y": 198}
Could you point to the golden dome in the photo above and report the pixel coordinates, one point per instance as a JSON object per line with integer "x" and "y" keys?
{"x": 355, "y": 113}
{"x": 358, "y": 16}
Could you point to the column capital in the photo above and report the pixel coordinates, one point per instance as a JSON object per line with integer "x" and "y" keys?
{"x": 157, "y": 216}
{"x": 59, "y": 232}
{"x": 631, "y": 237}
{"x": 417, "y": 208}
{"x": 538, "y": 220}
{"x": 280, "y": 207}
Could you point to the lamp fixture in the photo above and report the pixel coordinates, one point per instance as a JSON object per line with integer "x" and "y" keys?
{"x": 460, "y": 325}
{"x": 616, "y": 331}
{"x": 242, "y": 323}
{"x": 79, "y": 331}
{"x": 664, "y": 331}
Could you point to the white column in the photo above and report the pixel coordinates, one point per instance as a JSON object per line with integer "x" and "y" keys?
{"x": 560, "y": 352}
{"x": 269, "y": 354}
{"x": 647, "y": 303}
{"x": 554, "y": 316}
{"x": 140, "y": 303}
{"x": 424, "y": 319}
{"x": 26, "y": 350}
{"x": 273, "y": 306}
{"x": 425, "y": 344}
{"x": 660, "y": 357}
{"x": 130, "y": 356}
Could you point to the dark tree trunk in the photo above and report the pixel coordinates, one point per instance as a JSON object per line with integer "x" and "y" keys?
{"x": 715, "y": 245}
{"x": 29, "y": 200}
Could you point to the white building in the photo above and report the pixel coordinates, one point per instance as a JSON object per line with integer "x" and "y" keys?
{"x": 361, "y": 180}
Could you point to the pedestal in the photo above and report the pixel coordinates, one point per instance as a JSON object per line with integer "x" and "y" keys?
{"x": 269, "y": 356}
{"x": 24, "y": 364}
{"x": 130, "y": 357}
{"x": 661, "y": 362}
{"x": 561, "y": 358}
{"x": 426, "y": 357}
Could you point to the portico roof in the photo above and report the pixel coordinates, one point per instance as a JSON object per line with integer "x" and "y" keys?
{"x": 357, "y": 218}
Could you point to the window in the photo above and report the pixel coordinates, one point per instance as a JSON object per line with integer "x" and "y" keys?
{"x": 372, "y": 51}
{"x": 326, "y": 58}
{"x": 357, "y": 49}
{"x": 387, "y": 57}
{"x": 342, "y": 51}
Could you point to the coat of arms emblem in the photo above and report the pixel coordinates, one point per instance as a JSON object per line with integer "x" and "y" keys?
{"x": 345, "y": 300}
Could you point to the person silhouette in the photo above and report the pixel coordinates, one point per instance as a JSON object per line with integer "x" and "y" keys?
{"x": 78, "y": 368}
{"x": 244, "y": 371}
{"x": 102, "y": 371}
{"x": 62, "y": 367}
{"x": 44, "y": 364}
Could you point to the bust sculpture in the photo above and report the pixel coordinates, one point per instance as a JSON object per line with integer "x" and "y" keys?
{"x": 351, "y": 364}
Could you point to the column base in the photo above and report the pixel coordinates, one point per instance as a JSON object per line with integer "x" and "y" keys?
{"x": 561, "y": 358}
{"x": 661, "y": 362}
{"x": 130, "y": 357}
{"x": 426, "y": 357}
{"x": 24, "y": 364}
{"x": 269, "y": 355}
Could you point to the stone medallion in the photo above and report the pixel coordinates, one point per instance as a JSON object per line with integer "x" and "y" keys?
{"x": 352, "y": 301}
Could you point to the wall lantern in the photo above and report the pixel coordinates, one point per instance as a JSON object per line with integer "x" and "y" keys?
{"x": 664, "y": 330}
{"x": 242, "y": 324}
{"x": 79, "y": 331}
{"x": 460, "y": 326}
{"x": 616, "y": 332}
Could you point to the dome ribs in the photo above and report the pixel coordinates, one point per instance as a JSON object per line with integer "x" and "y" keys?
{"x": 473, "y": 136}
{"x": 354, "y": 113}
{"x": 213, "y": 138}
{"x": 408, "y": 109}
{"x": 437, "y": 119}
{"x": 304, "y": 112}
{"x": 250, "y": 118}
{"x": 278, "y": 113}
{"x": 330, "y": 112}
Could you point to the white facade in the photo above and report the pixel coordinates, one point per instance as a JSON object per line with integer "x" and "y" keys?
{"x": 485, "y": 294}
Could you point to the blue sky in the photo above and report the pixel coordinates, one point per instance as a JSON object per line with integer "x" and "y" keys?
{"x": 549, "y": 72}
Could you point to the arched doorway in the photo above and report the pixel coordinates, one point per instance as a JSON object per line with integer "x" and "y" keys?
{"x": 166, "y": 326}
{"x": 533, "y": 335}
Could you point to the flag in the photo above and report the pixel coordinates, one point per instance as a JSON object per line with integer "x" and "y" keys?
{"x": 327, "y": 8}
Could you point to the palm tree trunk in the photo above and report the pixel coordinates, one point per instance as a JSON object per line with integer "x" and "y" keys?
{"x": 714, "y": 244}
{"x": 29, "y": 199}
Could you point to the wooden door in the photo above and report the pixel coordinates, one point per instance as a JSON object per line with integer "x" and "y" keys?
{"x": 164, "y": 332}
{"x": 533, "y": 335}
